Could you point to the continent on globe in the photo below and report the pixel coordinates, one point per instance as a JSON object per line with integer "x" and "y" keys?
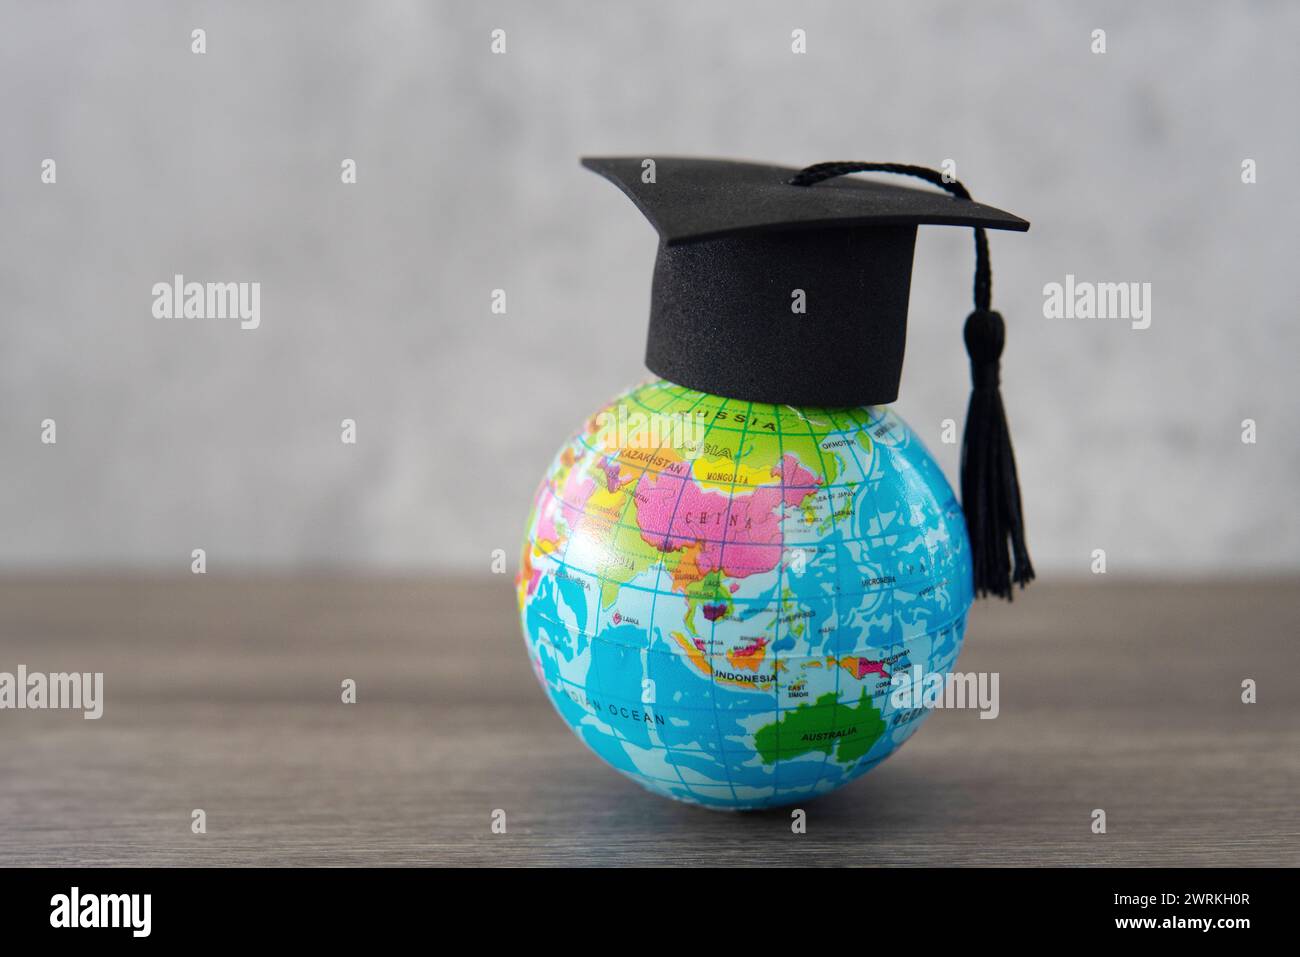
{"x": 823, "y": 726}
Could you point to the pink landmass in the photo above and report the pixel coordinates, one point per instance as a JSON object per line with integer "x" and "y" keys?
{"x": 612, "y": 482}
{"x": 673, "y": 513}
{"x": 867, "y": 667}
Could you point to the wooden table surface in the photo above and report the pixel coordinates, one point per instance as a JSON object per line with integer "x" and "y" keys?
{"x": 224, "y": 695}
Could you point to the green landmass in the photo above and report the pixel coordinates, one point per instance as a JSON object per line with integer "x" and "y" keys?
{"x": 822, "y": 726}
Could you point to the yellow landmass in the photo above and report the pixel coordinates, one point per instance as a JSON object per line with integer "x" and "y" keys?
{"x": 707, "y": 471}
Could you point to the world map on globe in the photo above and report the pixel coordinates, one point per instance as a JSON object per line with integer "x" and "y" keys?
{"x": 717, "y": 594}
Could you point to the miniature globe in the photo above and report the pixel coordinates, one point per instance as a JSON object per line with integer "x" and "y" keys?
{"x": 722, "y": 598}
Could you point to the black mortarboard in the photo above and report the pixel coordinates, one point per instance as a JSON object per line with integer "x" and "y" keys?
{"x": 743, "y": 245}
{"x": 737, "y": 240}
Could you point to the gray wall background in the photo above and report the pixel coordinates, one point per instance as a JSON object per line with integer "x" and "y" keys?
{"x": 174, "y": 434}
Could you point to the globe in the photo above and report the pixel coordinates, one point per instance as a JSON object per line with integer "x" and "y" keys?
{"x": 727, "y": 600}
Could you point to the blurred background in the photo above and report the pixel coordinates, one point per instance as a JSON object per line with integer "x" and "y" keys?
{"x": 178, "y": 434}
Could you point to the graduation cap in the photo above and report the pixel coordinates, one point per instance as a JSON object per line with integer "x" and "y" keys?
{"x": 790, "y": 287}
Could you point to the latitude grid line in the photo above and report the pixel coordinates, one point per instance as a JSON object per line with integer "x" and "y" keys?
{"x": 752, "y": 602}
{"x": 944, "y": 626}
{"x": 850, "y": 486}
{"x": 776, "y": 413}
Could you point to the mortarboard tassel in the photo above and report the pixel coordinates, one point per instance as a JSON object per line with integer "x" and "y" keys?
{"x": 990, "y": 488}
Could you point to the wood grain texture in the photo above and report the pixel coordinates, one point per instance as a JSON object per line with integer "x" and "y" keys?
{"x": 224, "y": 694}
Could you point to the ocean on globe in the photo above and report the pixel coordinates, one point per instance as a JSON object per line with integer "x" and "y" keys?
{"x": 717, "y": 595}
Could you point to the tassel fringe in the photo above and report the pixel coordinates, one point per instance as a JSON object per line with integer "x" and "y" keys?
{"x": 990, "y": 488}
